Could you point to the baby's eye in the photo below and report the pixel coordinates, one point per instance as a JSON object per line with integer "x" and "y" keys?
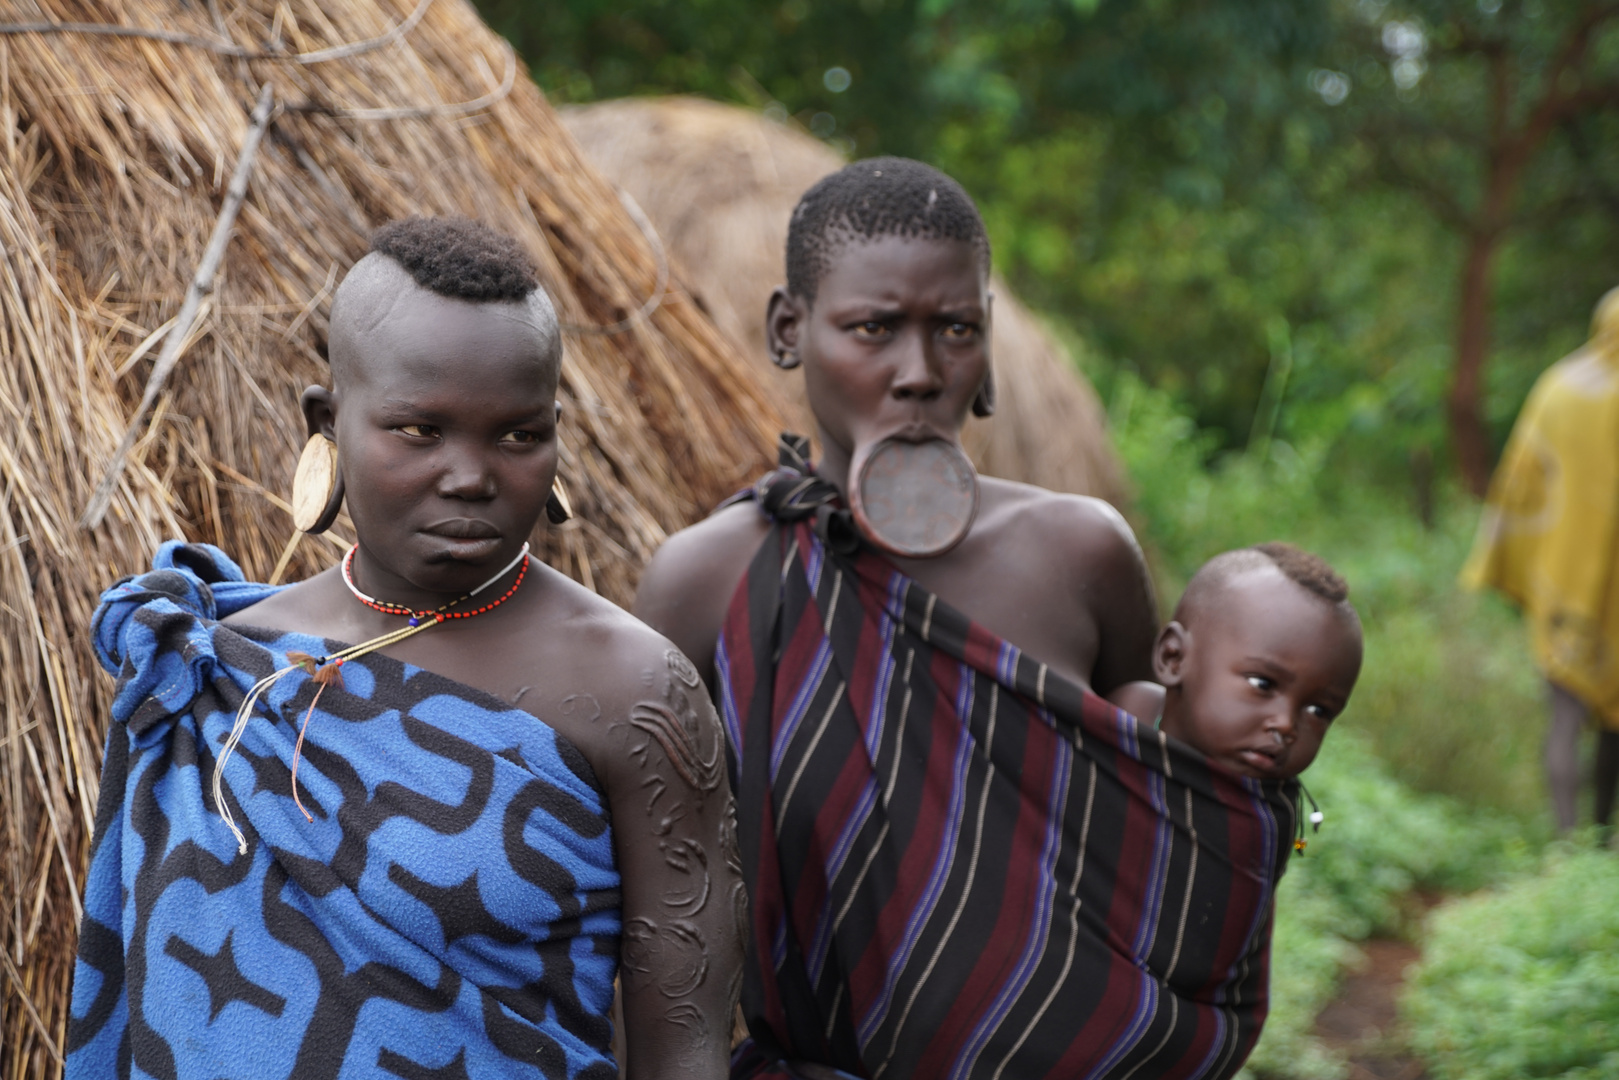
{"x": 418, "y": 431}
{"x": 1260, "y": 683}
{"x": 1320, "y": 712}
{"x": 519, "y": 438}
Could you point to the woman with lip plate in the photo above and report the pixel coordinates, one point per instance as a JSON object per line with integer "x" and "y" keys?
{"x": 409, "y": 817}
{"x": 963, "y": 862}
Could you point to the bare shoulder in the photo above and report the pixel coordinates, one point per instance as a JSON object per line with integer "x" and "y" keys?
{"x": 640, "y": 686}
{"x": 709, "y": 553}
{"x": 686, "y": 589}
{"x": 273, "y": 610}
{"x": 1075, "y": 525}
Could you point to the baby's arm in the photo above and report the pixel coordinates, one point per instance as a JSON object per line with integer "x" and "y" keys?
{"x": 684, "y": 907}
{"x": 1142, "y": 700}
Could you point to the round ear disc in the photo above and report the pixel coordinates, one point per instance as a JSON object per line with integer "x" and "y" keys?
{"x": 317, "y": 486}
{"x": 914, "y": 499}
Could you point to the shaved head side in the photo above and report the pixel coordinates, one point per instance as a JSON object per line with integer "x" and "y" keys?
{"x": 1310, "y": 572}
{"x": 378, "y": 291}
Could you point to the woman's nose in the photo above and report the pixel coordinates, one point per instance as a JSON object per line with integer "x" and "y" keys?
{"x": 466, "y": 476}
{"x": 917, "y": 374}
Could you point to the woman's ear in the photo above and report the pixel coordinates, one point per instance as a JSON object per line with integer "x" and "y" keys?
{"x": 784, "y": 319}
{"x": 320, "y": 412}
{"x": 1169, "y": 654}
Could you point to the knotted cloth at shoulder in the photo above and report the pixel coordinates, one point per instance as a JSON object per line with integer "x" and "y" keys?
{"x": 151, "y": 631}
{"x": 793, "y": 492}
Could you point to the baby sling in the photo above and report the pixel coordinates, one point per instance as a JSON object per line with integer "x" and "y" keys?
{"x": 961, "y": 863}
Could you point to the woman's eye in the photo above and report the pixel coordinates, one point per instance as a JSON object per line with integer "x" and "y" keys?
{"x": 418, "y": 431}
{"x": 519, "y": 438}
{"x": 961, "y": 331}
{"x": 870, "y": 329}
{"x": 1260, "y": 683}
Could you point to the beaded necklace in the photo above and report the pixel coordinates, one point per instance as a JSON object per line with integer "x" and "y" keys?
{"x": 438, "y": 614}
{"x": 326, "y": 670}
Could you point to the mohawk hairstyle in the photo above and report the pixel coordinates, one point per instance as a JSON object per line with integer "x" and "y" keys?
{"x": 1308, "y": 571}
{"x": 458, "y": 257}
{"x": 878, "y": 197}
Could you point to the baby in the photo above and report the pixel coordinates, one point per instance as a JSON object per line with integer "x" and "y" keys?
{"x": 1263, "y": 652}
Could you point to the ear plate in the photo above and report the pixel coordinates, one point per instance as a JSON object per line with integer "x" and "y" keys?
{"x": 317, "y": 486}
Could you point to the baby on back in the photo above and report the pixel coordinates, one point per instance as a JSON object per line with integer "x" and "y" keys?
{"x": 1262, "y": 653}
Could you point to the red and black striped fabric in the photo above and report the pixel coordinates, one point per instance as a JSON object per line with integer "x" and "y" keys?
{"x": 965, "y": 865}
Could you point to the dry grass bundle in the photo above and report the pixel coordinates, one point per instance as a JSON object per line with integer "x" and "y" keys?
{"x": 116, "y": 152}
{"x": 720, "y": 183}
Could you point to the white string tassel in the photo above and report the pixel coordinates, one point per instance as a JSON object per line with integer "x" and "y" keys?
{"x": 238, "y": 729}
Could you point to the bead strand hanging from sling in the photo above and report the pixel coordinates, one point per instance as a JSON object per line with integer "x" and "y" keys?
{"x": 326, "y": 670}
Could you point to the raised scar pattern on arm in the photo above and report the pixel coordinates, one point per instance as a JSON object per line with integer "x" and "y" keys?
{"x": 690, "y": 858}
{"x": 673, "y": 956}
{"x": 701, "y": 769}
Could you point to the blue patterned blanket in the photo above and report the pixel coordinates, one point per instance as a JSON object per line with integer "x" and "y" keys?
{"x": 451, "y": 911}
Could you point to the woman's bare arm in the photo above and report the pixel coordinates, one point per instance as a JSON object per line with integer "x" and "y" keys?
{"x": 684, "y": 907}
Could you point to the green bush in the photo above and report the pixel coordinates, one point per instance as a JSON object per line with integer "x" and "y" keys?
{"x": 1523, "y": 982}
{"x": 1380, "y": 842}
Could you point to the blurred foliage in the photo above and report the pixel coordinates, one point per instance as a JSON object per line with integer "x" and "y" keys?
{"x": 1191, "y": 186}
{"x": 1380, "y": 843}
{"x": 1523, "y": 982}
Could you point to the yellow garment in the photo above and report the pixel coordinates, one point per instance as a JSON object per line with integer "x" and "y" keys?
{"x": 1549, "y": 538}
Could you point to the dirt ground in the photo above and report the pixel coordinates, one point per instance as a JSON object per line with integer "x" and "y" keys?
{"x": 1362, "y": 1019}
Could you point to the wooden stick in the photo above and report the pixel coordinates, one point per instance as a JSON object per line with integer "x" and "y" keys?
{"x": 201, "y": 282}
{"x": 286, "y": 557}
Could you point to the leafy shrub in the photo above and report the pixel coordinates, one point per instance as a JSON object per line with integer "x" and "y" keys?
{"x": 1523, "y": 982}
{"x": 1379, "y": 843}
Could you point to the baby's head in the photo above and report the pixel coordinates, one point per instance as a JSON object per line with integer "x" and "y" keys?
{"x": 1262, "y": 654}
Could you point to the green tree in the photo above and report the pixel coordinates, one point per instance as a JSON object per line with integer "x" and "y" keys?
{"x": 1499, "y": 116}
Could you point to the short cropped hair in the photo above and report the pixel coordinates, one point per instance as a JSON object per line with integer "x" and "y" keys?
{"x": 458, "y": 257}
{"x": 1310, "y": 572}
{"x": 878, "y": 197}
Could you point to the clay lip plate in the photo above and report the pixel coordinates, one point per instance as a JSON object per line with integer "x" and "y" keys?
{"x": 915, "y": 499}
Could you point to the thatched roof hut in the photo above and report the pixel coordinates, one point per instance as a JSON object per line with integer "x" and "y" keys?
{"x": 720, "y": 182}
{"x": 115, "y": 158}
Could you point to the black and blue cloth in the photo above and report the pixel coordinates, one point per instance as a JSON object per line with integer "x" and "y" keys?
{"x": 452, "y": 910}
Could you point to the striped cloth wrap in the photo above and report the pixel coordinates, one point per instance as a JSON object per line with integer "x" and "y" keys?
{"x": 963, "y": 864}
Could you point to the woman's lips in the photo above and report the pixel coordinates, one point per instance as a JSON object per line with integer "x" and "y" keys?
{"x": 467, "y": 539}
{"x": 463, "y": 529}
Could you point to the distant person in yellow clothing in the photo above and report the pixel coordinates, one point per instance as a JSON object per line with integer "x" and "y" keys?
{"x": 1549, "y": 540}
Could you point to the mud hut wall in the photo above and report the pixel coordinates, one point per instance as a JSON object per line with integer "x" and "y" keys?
{"x": 720, "y": 182}
{"x": 114, "y": 154}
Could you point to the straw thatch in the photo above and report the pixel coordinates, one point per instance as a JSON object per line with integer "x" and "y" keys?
{"x": 720, "y": 183}
{"x": 116, "y": 156}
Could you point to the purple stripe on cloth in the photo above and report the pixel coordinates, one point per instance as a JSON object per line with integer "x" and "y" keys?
{"x": 728, "y": 711}
{"x": 1061, "y": 767}
{"x": 943, "y": 859}
{"x": 800, "y": 706}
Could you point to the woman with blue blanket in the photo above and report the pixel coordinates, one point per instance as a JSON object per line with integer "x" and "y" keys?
{"x": 964, "y": 863}
{"x": 411, "y": 817}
